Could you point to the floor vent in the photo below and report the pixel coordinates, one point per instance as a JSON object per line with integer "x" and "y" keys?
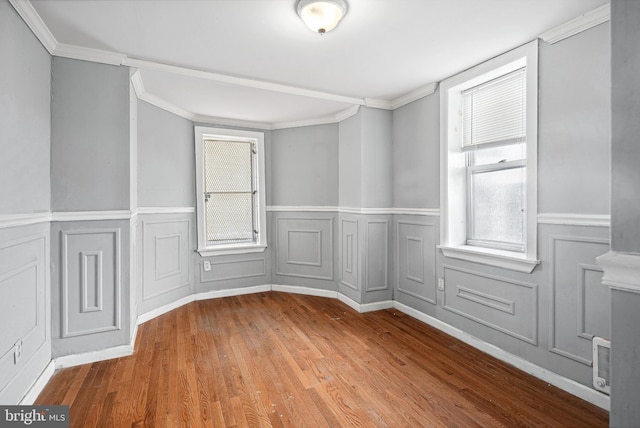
{"x": 601, "y": 351}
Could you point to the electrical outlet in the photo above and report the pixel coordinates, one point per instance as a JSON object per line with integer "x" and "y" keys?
{"x": 17, "y": 351}
{"x": 441, "y": 284}
{"x": 206, "y": 265}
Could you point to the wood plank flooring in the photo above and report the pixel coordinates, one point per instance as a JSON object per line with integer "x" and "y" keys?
{"x": 283, "y": 360}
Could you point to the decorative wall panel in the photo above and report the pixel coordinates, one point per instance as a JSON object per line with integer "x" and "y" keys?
{"x": 91, "y": 281}
{"x": 349, "y": 253}
{"x": 166, "y": 253}
{"x": 502, "y": 304}
{"x": 416, "y": 260}
{"x": 23, "y": 264}
{"x": 377, "y": 255}
{"x": 304, "y": 247}
{"x": 579, "y": 300}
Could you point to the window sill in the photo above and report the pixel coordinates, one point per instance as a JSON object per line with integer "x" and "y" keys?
{"x": 490, "y": 257}
{"x": 224, "y": 250}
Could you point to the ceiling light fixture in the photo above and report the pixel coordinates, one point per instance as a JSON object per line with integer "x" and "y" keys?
{"x": 321, "y": 16}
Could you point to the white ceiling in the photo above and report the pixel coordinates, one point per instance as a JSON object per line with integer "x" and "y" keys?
{"x": 264, "y": 66}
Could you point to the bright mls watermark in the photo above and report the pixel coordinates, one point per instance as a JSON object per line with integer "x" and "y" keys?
{"x": 34, "y": 416}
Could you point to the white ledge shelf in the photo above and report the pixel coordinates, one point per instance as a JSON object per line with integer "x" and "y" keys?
{"x": 490, "y": 257}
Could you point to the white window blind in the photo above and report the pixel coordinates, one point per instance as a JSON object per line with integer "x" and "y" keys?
{"x": 229, "y": 191}
{"x": 494, "y": 112}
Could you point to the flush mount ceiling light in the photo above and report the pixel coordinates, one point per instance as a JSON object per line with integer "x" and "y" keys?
{"x": 321, "y": 16}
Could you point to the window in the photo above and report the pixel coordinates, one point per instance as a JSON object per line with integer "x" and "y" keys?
{"x": 230, "y": 191}
{"x": 489, "y": 162}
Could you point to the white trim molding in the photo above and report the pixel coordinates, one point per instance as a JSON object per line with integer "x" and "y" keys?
{"x": 166, "y": 210}
{"x": 568, "y": 385}
{"x": 88, "y": 54}
{"x": 429, "y": 212}
{"x": 578, "y": 25}
{"x": 15, "y": 220}
{"x": 37, "y": 387}
{"x": 300, "y": 208}
{"x": 490, "y": 257}
{"x": 621, "y": 270}
{"x": 594, "y": 220}
{"x": 93, "y": 356}
{"x": 91, "y": 215}
{"x": 414, "y": 95}
{"x": 33, "y": 20}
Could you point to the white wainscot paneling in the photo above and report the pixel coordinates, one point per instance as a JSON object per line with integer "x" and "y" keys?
{"x": 579, "y": 300}
{"x": 416, "y": 260}
{"x": 349, "y": 253}
{"x": 165, "y": 249}
{"x": 23, "y": 265}
{"x": 377, "y": 255}
{"x": 91, "y": 281}
{"x": 304, "y": 247}
{"x": 234, "y": 269}
{"x": 502, "y": 304}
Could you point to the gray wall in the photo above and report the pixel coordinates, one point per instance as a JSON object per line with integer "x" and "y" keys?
{"x": 90, "y": 171}
{"x": 89, "y": 136}
{"x": 24, "y": 115}
{"x": 25, "y": 189}
{"x": 547, "y": 317}
{"x": 349, "y": 165}
{"x": 304, "y": 166}
{"x": 625, "y": 209}
{"x": 416, "y": 154}
{"x": 625, "y": 174}
{"x": 574, "y": 131}
{"x": 375, "y": 158}
{"x": 166, "y": 160}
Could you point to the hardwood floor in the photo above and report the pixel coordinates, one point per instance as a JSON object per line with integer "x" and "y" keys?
{"x": 284, "y": 360}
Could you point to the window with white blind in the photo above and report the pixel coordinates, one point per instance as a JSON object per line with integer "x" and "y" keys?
{"x": 230, "y": 188}
{"x": 489, "y": 162}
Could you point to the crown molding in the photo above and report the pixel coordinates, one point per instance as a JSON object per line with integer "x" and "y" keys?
{"x": 89, "y": 54}
{"x": 347, "y": 113}
{"x": 225, "y": 121}
{"x": 577, "y": 25}
{"x": 138, "y": 85}
{"x": 378, "y": 103}
{"x": 35, "y": 23}
{"x": 240, "y": 81}
{"x": 414, "y": 95}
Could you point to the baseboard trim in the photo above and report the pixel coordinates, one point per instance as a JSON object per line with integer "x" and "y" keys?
{"x": 294, "y": 289}
{"x": 37, "y": 387}
{"x": 147, "y": 316}
{"x": 216, "y": 294}
{"x": 568, "y": 385}
{"x": 93, "y": 356}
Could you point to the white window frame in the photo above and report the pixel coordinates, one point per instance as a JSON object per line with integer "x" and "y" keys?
{"x": 453, "y": 177}
{"x": 257, "y": 138}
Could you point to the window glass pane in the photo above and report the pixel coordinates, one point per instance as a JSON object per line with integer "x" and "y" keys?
{"x": 497, "y": 205}
{"x": 506, "y": 153}
{"x": 227, "y": 166}
{"x": 229, "y": 217}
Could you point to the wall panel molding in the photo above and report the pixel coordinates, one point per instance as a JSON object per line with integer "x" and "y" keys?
{"x": 166, "y": 256}
{"x": 85, "y": 288}
{"x": 416, "y": 260}
{"x": 349, "y": 238}
{"x": 376, "y": 244}
{"x": 255, "y": 267}
{"x": 500, "y": 303}
{"x": 83, "y": 323}
{"x": 323, "y": 227}
{"x": 569, "y": 267}
{"x": 318, "y": 246}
